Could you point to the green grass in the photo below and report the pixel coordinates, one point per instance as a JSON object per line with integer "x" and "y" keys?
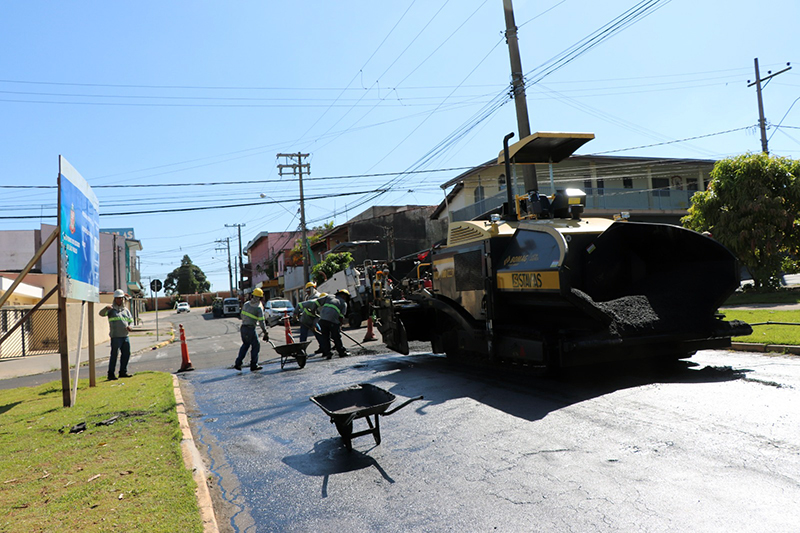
{"x": 128, "y": 476}
{"x": 783, "y": 296}
{"x": 767, "y": 334}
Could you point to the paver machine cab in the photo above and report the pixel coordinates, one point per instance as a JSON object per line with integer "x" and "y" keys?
{"x": 533, "y": 283}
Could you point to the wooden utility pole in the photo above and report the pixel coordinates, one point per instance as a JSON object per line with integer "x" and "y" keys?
{"x": 297, "y": 170}
{"x": 762, "y": 122}
{"x": 240, "y": 277}
{"x": 227, "y": 241}
{"x": 518, "y": 86}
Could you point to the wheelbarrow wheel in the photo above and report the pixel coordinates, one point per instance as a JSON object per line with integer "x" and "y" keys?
{"x": 301, "y": 360}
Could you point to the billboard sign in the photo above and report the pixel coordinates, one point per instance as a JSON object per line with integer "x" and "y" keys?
{"x": 79, "y": 235}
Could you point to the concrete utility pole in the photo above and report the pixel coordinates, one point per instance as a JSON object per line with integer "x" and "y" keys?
{"x": 762, "y": 122}
{"x": 518, "y": 85}
{"x": 227, "y": 241}
{"x": 297, "y": 170}
{"x": 241, "y": 265}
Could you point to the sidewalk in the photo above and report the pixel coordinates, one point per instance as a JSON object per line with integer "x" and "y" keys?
{"x": 142, "y": 338}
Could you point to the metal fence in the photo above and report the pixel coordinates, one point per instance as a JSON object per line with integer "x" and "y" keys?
{"x": 621, "y": 199}
{"x": 38, "y": 334}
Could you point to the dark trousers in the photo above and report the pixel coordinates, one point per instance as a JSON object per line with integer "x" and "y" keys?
{"x": 330, "y": 331}
{"x": 249, "y": 340}
{"x": 119, "y": 344}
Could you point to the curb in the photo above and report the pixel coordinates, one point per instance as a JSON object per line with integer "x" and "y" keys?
{"x": 763, "y": 348}
{"x": 193, "y": 461}
{"x": 159, "y": 345}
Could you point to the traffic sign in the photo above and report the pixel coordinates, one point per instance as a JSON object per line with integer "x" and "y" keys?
{"x": 155, "y": 285}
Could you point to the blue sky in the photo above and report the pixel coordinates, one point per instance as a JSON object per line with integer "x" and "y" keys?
{"x": 190, "y": 93}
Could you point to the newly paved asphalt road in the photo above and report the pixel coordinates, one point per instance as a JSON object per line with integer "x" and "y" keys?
{"x": 711, "y": 446}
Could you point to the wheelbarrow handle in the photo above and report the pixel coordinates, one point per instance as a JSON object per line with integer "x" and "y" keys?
{"x": 387, "y": 413}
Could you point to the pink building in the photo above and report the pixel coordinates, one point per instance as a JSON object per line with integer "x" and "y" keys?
{"x": 263, "y": 254}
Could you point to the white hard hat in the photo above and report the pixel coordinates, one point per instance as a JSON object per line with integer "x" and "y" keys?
{"x": 119, "y": 293}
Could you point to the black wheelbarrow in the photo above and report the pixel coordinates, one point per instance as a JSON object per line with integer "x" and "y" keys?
{"x": 359, "y": 401}
{"x": 296, "y": 351}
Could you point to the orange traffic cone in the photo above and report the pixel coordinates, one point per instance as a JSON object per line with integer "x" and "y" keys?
{"x": 370, "y": 336}
{"x": 289, "y": 339}
{"x": 186, "y": 364}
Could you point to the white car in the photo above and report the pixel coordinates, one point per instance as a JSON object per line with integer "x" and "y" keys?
{"x": 275, "y": 310}
{"x": 183, "y": 307}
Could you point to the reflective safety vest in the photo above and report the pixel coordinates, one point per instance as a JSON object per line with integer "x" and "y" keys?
{"x": 119, "y": 318}
{"x": 253, "y": 314}
{"x": 307, "y": 312}
{"x": 332, "y": 309}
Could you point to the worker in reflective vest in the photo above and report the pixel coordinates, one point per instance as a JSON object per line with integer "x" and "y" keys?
{"x": 252, "y": 314}
{"x": 332, "y": 311}
{"x": 120, "y": 322}
{"x": 307, "y": 313}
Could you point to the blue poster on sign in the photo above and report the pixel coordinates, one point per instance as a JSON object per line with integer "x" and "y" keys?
{"x": 79, "y": 227}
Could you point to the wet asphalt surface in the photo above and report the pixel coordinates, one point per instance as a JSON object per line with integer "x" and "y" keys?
{"x": 712, "y": 445}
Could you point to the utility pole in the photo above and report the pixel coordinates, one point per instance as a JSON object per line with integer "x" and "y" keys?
{"x": 518, "y": 85}
{"x": 762, "y": 122}
{"x": 241, "y": 276}
{"x": 297, "y": 170}
{"x": 227, "y": 241}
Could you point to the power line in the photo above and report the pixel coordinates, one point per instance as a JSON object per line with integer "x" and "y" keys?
{"x": 184, "y": 209}
{"x": 241, "y": 182}
{"x": 672, "y": 142}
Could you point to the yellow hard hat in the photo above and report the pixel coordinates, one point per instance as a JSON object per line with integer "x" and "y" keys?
{"x": 323, "y": 294}
{"x": 258, "y": 292}
{"x": 343, "y": 291}
{"x": 311, "y": 284}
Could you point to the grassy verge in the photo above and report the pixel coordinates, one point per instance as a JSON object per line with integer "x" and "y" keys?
{"x": 783, "y": 296}
{"x": 767, "y": 334}
{"x": 127, "y": 476}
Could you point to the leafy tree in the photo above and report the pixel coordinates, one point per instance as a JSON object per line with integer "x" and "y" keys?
{"x": 332, "y": 264}
{"x": 186, "y": 279}
{"x": 314, "y": 236}
{"x": 752, "y": 207}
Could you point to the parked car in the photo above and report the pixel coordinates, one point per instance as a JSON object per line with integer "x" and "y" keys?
{"x": 275, "y": 310}
{"x": 230, "y": 307}
{"x": 183, "y": 307}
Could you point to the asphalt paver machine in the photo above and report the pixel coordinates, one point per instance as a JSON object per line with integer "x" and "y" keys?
{"x": 534, "y": 283}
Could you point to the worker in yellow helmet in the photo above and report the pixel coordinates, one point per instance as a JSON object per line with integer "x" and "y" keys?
{"x": 332, "y": 310}
{"x": 252, "y": 314}
{"x": 311, "y": 291}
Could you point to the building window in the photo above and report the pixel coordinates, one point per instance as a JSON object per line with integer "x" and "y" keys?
{"x": 501, "y": 182}
{"x": 587, "y": 186}
{"x": 691, "y": 184}
{"x": 601, "y": 185}
{"x": 479, "y": 194}
{"x": 660, "y": 186}
{"x": 627, "y": 183}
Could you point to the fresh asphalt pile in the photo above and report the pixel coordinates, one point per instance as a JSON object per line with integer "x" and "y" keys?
{"x": 640, "y": 314}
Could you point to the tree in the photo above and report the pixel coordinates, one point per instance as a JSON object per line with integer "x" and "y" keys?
{"x": 314, "y": 236}
{"x": 752, "y": 207}
{"x": 186, "y": 279}
{"x": 332, "y": 264}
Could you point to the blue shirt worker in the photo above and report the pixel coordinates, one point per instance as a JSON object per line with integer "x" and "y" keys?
{"x": 307, "y": 313}
{"x": 120, "y": 322}
{"x": 252, "y": 314}
{"x": 332, "y": 311}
